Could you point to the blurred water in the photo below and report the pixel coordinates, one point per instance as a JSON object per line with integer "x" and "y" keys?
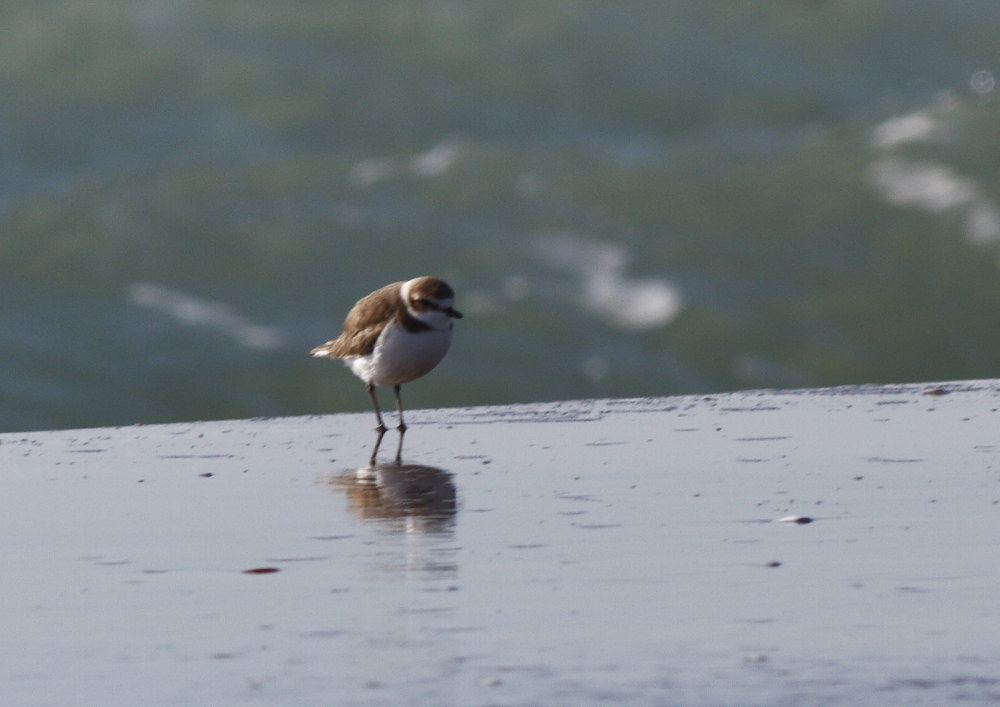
{"x": 630, "y": 199}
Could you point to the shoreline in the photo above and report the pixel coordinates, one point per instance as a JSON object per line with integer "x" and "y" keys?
{"x": 650, "y": 550}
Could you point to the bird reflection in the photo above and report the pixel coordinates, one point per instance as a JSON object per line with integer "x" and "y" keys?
{"x": 410, "y": 498}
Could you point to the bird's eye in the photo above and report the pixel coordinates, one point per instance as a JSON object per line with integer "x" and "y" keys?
{"x": 427, "y": 303}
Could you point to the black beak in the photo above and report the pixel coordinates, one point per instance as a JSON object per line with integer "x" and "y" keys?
{"x": 453, "y": 313}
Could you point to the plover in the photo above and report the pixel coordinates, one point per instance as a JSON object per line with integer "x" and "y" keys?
{"x": 395, "y": 335}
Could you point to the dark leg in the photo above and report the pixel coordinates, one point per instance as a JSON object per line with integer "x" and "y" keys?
{"x": 379, "y": 434}
{"x": 399, "y": 448}
{"x": 399, "y": 408}
{"x": 378, "y": 414}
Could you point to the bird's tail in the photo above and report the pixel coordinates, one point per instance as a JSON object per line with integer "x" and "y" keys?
{"x": 321, "y": 351}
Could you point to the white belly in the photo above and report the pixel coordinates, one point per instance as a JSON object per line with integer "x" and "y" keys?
{"x": 401, "y": 356}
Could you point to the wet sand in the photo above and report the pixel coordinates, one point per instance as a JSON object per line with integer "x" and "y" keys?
{"x": 832, "y": 546}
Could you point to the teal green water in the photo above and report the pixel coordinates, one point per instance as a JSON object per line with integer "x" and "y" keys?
{"x": 630, "y": 199}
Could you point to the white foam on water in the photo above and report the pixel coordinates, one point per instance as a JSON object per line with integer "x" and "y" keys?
{"x": 936, "y": 189}
{"x": 926, "y": 186}
{"x": 930, "y": 186}
{"x": 630, "y": 303}
{"x": 435, "y": 162}
{"x": 917, "y": 126}
{"x": 193, "y": 311}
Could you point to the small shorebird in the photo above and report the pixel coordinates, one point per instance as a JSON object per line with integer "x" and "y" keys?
{"x": 395, "y": 335}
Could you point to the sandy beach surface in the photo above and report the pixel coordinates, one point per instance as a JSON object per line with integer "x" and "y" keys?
{"x": 832, "y": 546}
